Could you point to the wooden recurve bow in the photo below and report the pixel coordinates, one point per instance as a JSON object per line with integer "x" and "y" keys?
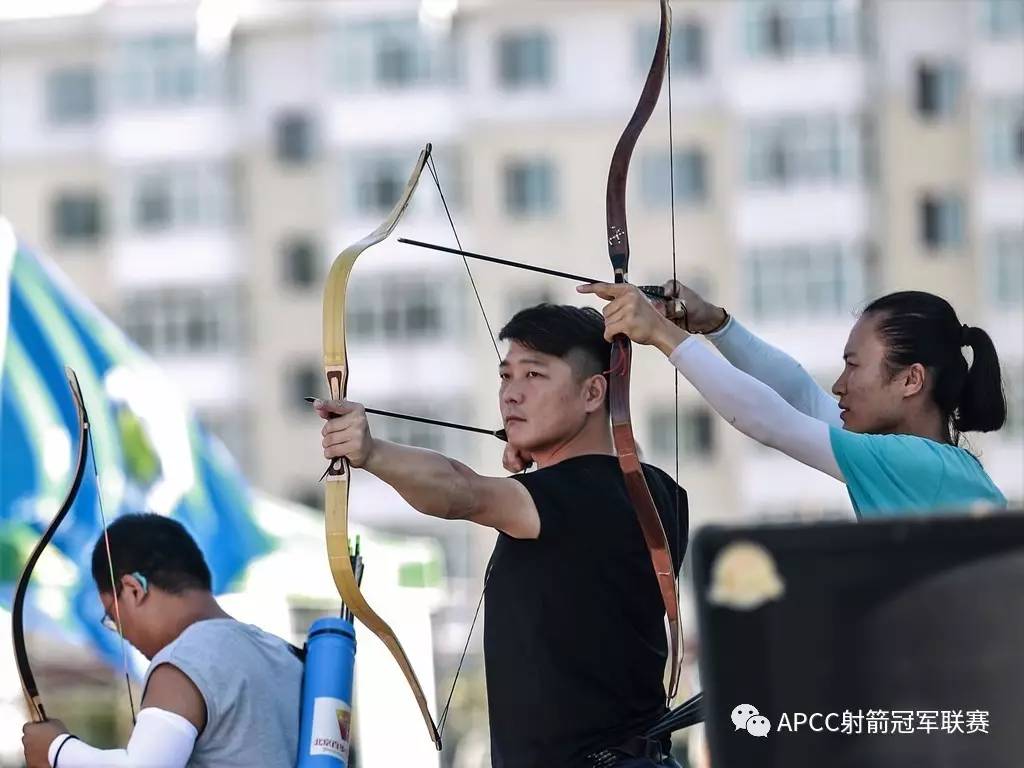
{"x": 622, "y": 430}
{"x": 337, "y": 477}
{"x": 28, "y": 680}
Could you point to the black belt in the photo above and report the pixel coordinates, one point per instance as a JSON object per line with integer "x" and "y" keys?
{"x": 638, "y": 746}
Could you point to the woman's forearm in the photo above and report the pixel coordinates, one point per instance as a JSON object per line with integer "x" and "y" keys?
{"x": 754, "y": 408}
{"x": 432, "y": 483}
{"x": 778, "y": 370}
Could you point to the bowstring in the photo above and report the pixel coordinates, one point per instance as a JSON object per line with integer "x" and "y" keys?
{"x": 458, "y": 242}
{"x": 675, "y": 420}
{"x": 110, "y": 568}
{"x": 490, "y": 334}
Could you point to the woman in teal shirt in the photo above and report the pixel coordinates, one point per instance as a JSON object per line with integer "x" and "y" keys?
{"x": 905, "y": 397}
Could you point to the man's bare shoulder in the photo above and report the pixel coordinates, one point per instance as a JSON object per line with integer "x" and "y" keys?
{"x": 504, "y": 503}
{"x": 170, "y": 689}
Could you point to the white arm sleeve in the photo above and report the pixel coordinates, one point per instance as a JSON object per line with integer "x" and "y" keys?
{"x": 161, "y": 739}
{"x": 755, "y": 409}
{"x": 776, "y": 369}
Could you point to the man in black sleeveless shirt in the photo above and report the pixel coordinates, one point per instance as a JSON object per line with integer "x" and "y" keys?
{"x": 574, "y": 637}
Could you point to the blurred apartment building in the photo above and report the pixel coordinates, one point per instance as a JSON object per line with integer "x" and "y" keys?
{"x": 195, "y": 173}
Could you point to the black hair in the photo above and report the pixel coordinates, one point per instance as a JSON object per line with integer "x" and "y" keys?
{"x": 919, "y": 327}
{"x": 156, "y": 547}
{"x": 561, "y": 330}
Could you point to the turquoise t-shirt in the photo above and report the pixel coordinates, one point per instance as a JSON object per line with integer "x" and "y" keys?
{"x": 892, "y": 475}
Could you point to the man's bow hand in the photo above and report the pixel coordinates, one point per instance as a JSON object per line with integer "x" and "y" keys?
{"x": 346, "y": 433}
{"x": 36, "y": 739}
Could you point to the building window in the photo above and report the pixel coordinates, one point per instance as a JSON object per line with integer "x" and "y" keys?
{"x": 803, "y": 149}
{"x": 186, "y": 319}
{"x": 1004, "y": 135}
{"x": 1006, "y": 267}
{"x": 529, "y": 188}
{"x": 392, "y": 53}
{"x": 77, "y": 218}
{"x": 374, "y": 179}
{"x": 1003, "y": 18}
{"x": 408, "y": 432}
{"x": 293, "y": 138}
{"x": 696, "y": 431}
{"x": 305, "y": 380}
{"x": 377, "y": 182}
{"x": 167, "y": 70}
{"x": 687, "y": 51}
{"x": 186, "y": 196}
{"x": 527, "y": 296}
{"x": 401, "y": 308}
{"x": 689, "y": 167}
{"x": 941, "y": 221}
{"x": 152, "y": 203}
{"x": 811, "y": 280}
{"x": 71, "y": 95}
{"x": 782, "y": 28}
{"x": 524, "y": 59}
{"x": 300, "y": 263}
{"x": 938, "y": 89}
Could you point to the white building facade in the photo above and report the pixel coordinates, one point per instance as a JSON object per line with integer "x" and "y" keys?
{"x": 197, "y": 185}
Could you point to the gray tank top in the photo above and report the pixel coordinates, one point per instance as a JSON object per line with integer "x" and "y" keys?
{"x": 251, "y": 683}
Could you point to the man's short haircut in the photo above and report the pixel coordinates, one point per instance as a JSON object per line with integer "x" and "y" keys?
{"x": 574, "y": 334}
{"x": 156, "y": 547}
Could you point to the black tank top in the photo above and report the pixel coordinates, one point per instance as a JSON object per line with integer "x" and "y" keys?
{"x": 574, "y": 637}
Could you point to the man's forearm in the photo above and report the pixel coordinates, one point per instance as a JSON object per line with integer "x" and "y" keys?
{"x": 160, "y": 738}
{"x": 431, "y": 482}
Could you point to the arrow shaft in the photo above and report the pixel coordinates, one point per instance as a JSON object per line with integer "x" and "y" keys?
{"x": 653, "y": 291}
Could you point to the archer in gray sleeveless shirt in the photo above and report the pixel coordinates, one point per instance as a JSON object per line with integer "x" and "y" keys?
{"x": 251, "y": 683}
{"x": 218, "y": 693}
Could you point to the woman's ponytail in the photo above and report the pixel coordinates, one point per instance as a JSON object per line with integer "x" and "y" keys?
{"x": 982, "y": 405}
